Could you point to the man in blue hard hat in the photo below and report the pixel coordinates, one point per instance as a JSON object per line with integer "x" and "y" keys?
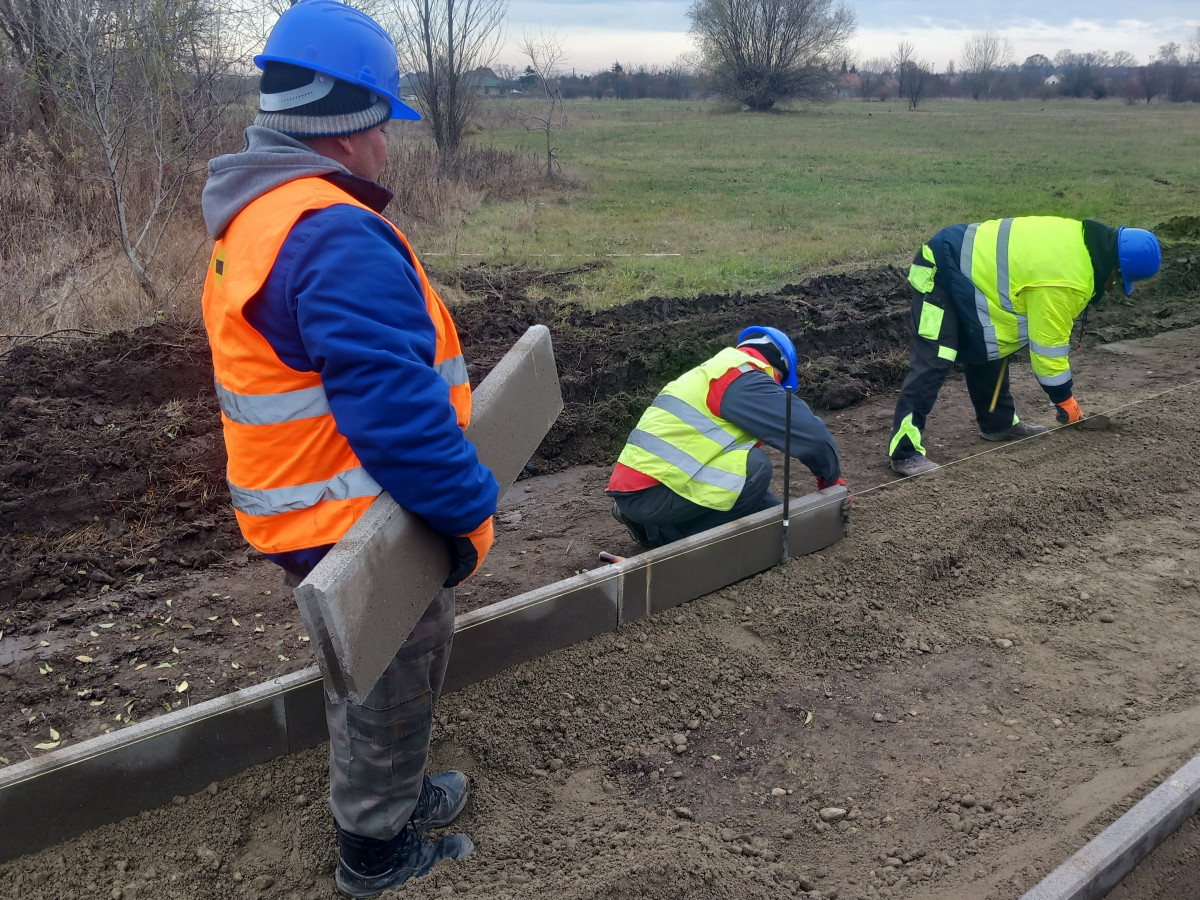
{"x": 340, "y": 375}
{"x": 982, "y": 292}
{"x": 694, "y": 460}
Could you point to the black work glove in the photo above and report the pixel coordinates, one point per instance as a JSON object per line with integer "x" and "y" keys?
{"x": 1068, "y": 412}
{"x": 847, "y": 504}
{"x": 467, "y": 552}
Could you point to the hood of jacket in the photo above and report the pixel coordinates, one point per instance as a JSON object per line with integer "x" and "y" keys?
{"x": 268, "y": 160}
{"x": 1101, "y": 243}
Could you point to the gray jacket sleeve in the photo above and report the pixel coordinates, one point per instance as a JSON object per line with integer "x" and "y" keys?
{"x": 756, "y": 402}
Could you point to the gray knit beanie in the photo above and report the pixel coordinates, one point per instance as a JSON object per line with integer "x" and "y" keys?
{"x": 770, "y": 352}
{"x": 302, "y": 103}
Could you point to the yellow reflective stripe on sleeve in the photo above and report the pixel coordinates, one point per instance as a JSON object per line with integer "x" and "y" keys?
{"x": 921, "y": 278}
{"x": 909, "y": 430}
{"x": 930, "y": 325}
{"x": 947, "y": 353}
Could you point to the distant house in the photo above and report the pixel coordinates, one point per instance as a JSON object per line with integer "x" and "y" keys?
{"x": 486, "y": 82}
{"x": 1053, "y": 80}
{"x": 848, "y": 84}
{"x": 482, "y": 79}
{"x": 408, "y": 87}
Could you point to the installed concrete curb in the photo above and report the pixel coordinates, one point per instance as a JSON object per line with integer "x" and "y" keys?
{"x": 1096, "y": 869}
{"x": 74, "y": 789}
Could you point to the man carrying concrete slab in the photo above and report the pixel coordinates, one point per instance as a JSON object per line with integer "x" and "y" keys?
{"x": 340, "y": 376}
{"x": 694, "y": 460}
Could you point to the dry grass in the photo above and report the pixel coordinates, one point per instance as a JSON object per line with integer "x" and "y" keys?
{"x": 64, "y": 268}
{"x": 432, "y": 190}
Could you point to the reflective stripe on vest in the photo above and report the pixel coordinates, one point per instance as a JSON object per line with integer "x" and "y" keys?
{"x": 1003, "y": 258}
{"x": 683, "y": 445}
{"x": 294, "y": 479}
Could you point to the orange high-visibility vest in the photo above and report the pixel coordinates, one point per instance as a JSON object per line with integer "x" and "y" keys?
{"x": 295, "y": 481}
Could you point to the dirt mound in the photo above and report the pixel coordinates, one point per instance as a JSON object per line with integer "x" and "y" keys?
{"x": 114, "y": 456}
{"x": 850, "y": 332}
{"x": 116, "y": 462}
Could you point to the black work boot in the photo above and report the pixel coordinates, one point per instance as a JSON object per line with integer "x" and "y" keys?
{"x": 367, "y": 867}
{"x": 442, "y": 799}
{"x": 1013, "y": 432}
{"x": 914, "y": 466}
{"x": 636, "y": 531}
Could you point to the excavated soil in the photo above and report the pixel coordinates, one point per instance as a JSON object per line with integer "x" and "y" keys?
{"x": 989, "y": 668}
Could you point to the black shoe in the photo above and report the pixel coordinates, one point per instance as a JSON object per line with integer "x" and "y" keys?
{"x": 367, "y": 867}
{"x": 442, "y": 799}
{"x": 636, "y": 531}
{"x": 914, "y": 466}
{"x": 1014, "y": 433}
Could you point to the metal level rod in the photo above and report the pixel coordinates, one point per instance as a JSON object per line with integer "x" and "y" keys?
{"x": 787, "y": 469}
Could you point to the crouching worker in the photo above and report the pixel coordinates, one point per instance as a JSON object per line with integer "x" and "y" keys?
{"x": 982, "y": 292}
{"x": 694, "y": 461}
{"x": 340, "y": 375}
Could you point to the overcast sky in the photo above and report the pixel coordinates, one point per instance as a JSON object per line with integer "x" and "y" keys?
{"x": 654, "y": 32}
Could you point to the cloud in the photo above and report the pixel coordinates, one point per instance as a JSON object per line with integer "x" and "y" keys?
{"x": 593, "y": 49}
{"x": 655, "y": 32}
{"x": 940, "y": 45}
{"x": 607, "y": 15}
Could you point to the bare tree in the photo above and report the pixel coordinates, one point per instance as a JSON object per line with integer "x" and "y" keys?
{"x": 27, "y": 28}
{"x": 1152, "y": 79}
{"x": 914, "y": 75}
{"x": 759, "y": 52}
{"x": 545, "y": 54}
{"x": 1194, "y": 47}
{"x": 985, "y": 54}
{"x": 443, "y": 44}
{"x": 137, "y": 93}
{"x": 1168, "y": 53}
{"x": 872, "y": 75}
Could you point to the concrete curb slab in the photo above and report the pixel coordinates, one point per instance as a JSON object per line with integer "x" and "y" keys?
{"x": 363, "y": 599}
{"x": 1096, "y": 869}
{"x": 84, "y": 786}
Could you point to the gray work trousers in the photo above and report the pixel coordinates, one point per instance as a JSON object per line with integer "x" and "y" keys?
{"x": 928, "y": 368}
{"x": 667, "y": 517}
{"x": 378, "y": 750}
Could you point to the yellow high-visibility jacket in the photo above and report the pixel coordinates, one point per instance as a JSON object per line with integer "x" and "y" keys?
{"x": 1014, "y": 283}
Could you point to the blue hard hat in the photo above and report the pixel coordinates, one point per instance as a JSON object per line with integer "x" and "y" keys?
{"x": 1138, "y": 254}
{"x": 784, "y": 343}
{"x": 329, "y": 36}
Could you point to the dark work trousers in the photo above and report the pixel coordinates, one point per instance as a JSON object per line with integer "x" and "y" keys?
{"x": 378, "y": 750}
{"x": 667, "y": 517}
{"x": 930, "y": 357}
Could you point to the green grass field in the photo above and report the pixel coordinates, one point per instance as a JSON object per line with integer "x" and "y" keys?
{"x": 679, "y": 198}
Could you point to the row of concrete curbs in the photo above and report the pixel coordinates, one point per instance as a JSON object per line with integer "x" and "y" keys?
{"x": 77, "y": 788}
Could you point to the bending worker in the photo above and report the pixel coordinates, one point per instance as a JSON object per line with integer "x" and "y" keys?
{"x": 982, "y": 292}
{"x": 694, "y": 461}
{"x": 339, "y": 375}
